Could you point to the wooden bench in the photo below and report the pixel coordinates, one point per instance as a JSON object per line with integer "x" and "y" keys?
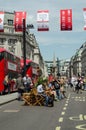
{"x": 33, "y": 98}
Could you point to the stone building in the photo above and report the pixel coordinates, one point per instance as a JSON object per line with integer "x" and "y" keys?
{"x": 83, "y": 60}
{"x": 13, "y": 41}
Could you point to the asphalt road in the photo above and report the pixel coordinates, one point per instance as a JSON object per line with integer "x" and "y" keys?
{"x": 67, "y": 114}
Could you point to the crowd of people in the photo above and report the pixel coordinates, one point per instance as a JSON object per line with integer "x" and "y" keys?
{"x": 52, "y": 86}
{"x": 50, "y": 89}
{"x": 57, "y": 87}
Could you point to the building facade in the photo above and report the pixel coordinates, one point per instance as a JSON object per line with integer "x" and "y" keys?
{"x": 13, "y": 41}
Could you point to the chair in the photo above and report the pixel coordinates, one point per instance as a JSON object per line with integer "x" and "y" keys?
{"x": 39, "y": 99}
{"x": 33, "y": 98}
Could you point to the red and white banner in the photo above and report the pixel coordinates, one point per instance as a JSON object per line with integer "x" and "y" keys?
{"x": 43, "y": 16}
{"x": 42, "y": 20}
{"x": 66, "y": 19}
{"x": 1, "y": 21}
{"x": 43, "y": 27}
{"x": 18, "y": 22}
{"x": 84, "y": 13}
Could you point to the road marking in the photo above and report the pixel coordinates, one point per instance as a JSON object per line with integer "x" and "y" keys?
{"x": 58, "y": 128}
{"x": 63, "y": 113}
{"x": 81, "y": 127}
{"x": 73, "y": 97}
{"x": 85, "y": 117}
{"x": 66, "y": 104}
{"x": 81, "y": 100}
{"x": 64, "y": 108}
{"x": 11, "y": 110}
{"x": 77, "y": 118}
{"x": 61, "y": 119}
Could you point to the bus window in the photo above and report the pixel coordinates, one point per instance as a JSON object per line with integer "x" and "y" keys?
{"x": 5, "y": 55}
{"x": 15, "y": 59}
{"x": 1, "y": 55}
{"x": 12, "y": 58}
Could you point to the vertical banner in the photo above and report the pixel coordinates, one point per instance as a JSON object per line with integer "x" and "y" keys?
{"x": 66, "y": 19}
{"x": 84, "y": 13}
{"x": 18, "y": 21}
{"x": 43, "y": 27}
{"x": 42, "y": 20}
{"x": 1, "y": 21}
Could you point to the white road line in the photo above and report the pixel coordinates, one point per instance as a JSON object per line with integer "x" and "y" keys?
{"x": 11, "y": 110}
{"x": 63, "y": 113}
{"x": 66, "y": 104}
{"x": 64, "y": 108}
{"x": 58, "y": 128}
{"x": 61, "y": 119}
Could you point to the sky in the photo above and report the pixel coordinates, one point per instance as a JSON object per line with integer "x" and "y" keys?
{"x": 62, "y": 44}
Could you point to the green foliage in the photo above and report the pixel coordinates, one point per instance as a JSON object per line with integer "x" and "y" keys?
{"x": 41, "y": 80}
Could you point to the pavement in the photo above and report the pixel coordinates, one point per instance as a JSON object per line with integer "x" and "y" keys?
{"x": 8, "y": 98}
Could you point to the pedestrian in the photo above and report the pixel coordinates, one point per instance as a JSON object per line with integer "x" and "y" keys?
{"x": 56, "y": 84}
{"x": 27, "y": 83}
{"x": 20, "y": 86}
{"x": 74, "y": 82}
{"x": 6, "y": 84}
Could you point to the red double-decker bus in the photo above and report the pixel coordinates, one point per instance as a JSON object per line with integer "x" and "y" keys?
{"x": 9, "y": 65}
{"x": 31, "y": 68}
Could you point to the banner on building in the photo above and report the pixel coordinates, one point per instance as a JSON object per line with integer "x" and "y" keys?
{"x": 1, "y": 21}
{"x": 18, "y": 22}
{"x": 42, "y": 20}
{"x": 84, "y": 13}
{"x": 66, "y": 19}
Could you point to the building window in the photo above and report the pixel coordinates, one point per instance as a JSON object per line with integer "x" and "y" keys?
{"x": 11, "y": 30}
{"x": 2, "y": 40}
{"x": 12, "y": 42}
{"x": 10, "y": 22}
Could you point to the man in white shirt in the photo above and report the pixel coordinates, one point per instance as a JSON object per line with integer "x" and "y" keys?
{"x": 74, "y": 82}
{"x": 40, "y": 89}
{"x": 27, "y": 83}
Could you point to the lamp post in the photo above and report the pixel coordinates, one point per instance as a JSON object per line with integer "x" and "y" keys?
{"x": 24, "y": 45}
{"x": 24, "y": 42}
